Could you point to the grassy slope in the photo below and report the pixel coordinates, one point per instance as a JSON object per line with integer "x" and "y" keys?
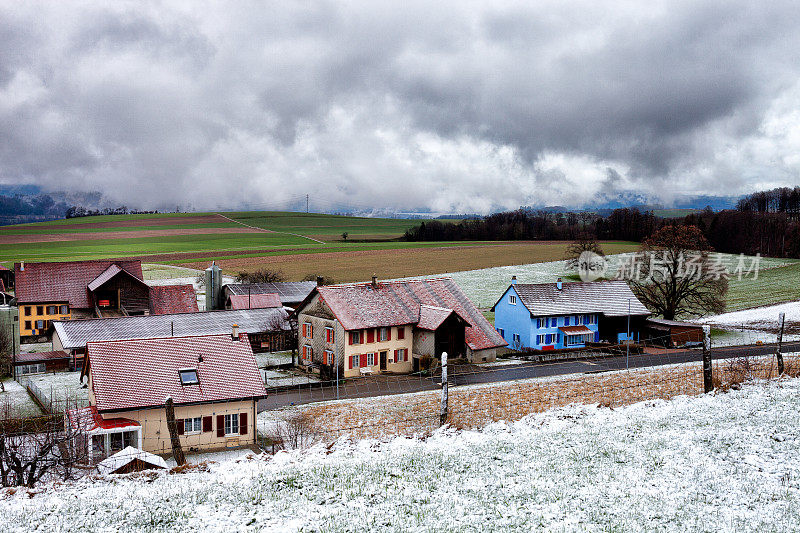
{"x": 331, "y": 226}
{"x": 773, "y": 286}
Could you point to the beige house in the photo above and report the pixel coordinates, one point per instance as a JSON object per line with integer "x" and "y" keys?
{"x": 213, "y": 381}
{"x": 367, "y": 328}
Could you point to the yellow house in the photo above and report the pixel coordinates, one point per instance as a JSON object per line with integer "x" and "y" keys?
{"x": 367, "y": 328}
{"x": 213, "y": 381}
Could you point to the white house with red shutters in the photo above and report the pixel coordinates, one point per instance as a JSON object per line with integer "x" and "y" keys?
{"x": 367, "y": 328}
{"x": 213, "y": 381}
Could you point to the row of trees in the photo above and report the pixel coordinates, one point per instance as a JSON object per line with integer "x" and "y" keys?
{"x": 77, "y": 211}
{"x": 780, "y": 200}
{"x": 770, "y": 233}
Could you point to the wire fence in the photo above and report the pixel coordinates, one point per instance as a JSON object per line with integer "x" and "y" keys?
{"x": 76, "y": 437}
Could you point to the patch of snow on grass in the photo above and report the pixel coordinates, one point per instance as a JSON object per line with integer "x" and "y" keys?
{"x": 716, "y": 462}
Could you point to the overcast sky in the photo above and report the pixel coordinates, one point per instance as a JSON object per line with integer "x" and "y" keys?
{"x": 448, "y": 106}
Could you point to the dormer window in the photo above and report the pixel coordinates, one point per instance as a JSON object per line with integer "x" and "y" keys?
{"x": 189, "y": 376}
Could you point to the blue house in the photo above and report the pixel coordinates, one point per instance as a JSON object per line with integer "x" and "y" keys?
{"x": 553, "y": 316}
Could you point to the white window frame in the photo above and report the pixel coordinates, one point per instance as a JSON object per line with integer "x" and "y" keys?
{"x": 356, "y": 336}
{"x": 230, "y": 422}
{"x": 328, "y": 357}
{"x": 196, "y": 375}
{"x": 515, "y": 338}
{"x": 355, "y": 361}
{"x": 370, "y": 359}
{"x": 512, "y": 299}
{"x": 383, "y": 334}
{"x": 33, "y": 368}
{"x": 308, "y": 352}
{"x": 193, "y": 426}
{"x": 330, "y": 334}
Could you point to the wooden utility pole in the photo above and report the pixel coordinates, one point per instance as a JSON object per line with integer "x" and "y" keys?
{"x": 708, "y": 381}
{"x": 779, "y": 353}
{"x": 443, "y": 410}
{"x": 177, "y": 451}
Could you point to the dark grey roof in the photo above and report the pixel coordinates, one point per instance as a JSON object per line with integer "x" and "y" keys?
{"x": 76, "y": 333}
{"x": 665, "y": 322}
{"x": 607, "y": 297}
{"x": 288, "y": 291}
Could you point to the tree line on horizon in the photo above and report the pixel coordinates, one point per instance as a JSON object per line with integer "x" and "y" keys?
{"x": 766, "y": 222}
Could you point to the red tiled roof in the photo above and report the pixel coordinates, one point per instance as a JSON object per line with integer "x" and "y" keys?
{"x": 34, "y": 357}
{"x": 360, "y": 306}
{"x": 64, "y": 282}
{"x": 576, "y": 330}
{"x": 431, "y": 317}
{"x": 173, "y": 299}
{"x": 255, "y": 301}
{"x": 133, "y": 374}
{"x": 88, "y": 419}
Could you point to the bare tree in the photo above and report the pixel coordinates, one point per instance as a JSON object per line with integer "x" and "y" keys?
{"x": 675, "y": 274}
{"x": 46, "y": 448}
{"x": 326, "y": 280}
{"x": 262, "y": 275}
{"x": 286, "y": 325}
{"x": 583, "y": 243}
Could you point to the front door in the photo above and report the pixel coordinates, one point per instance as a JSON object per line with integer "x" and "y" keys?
{"x": 384, "y": 355}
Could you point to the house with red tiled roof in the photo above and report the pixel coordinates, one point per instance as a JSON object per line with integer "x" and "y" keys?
{"x": 213, "y": 381}
{"x": 389, "y": 326}
{"x": 173, "y": 299}
{"x": 77, "y": 289}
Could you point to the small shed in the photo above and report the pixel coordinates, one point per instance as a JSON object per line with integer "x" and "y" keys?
{"x": 673, "y": 332}
{"x": 130, "y": 460}
{"x": 39, "y": 362}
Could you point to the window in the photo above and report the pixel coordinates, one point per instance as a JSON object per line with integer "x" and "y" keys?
{"x": 329, "y": 335}
{"x": 307, "y": 353}
{"x": 383, "y": 334}
{"x": 516, "y": 338}
{"x": 370, "y": 359}
{"x": 52, "y": 309}
{"x": 64, "y": 309}
{"x": 189, "y": 376}
{"x": 27, "y": 311}
{"x": 539, "y": 339}
{"x": 401, "y": 332}
{"x": 512, "y": 299}
{"x": 27, "y": 324}
{"x": 566, "y": 321}
{"x": 193, "y": 425}
{"x": 308, "y": 330}
{"x": 501, "y": 332}
{"x": 370, "y": 335}
{"x": 538, "y": 323}
{"x": 37, "y": 368}
{"x": 40, "y": 324}
{"x": 354, "y": 360}
{"x": 400, "y": 355}
{"x": 355, "y": 337}
{"x": 232, "y": 424}
{"x": 548, "y": 338}
{"x": 39, "y": 309}
{"x": 328, "y": 357}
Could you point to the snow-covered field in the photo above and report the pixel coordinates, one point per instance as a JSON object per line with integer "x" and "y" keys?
{"x": 282, "y": 378}
{"x": 16, "y": 402}
{"x": 753, "y": 325}
{"x": 722, "y": 462}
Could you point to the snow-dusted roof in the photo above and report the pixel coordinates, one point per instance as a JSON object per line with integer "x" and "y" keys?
{"x": 122, "y": 458}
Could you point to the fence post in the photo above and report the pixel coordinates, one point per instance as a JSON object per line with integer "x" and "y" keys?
{"x": 778, "y": 353}
{"x": 443, "y": 411}
{"x": 708, "y": 382}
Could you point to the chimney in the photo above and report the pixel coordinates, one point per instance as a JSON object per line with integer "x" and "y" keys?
{"x": 235, "y": 332}
{"x": 513, "y": 280}
{"x": 319, "y": 281}
{"x": 374, "y": 282}
{"x": 559, "y": 284}
{"x": 22, "y": 266}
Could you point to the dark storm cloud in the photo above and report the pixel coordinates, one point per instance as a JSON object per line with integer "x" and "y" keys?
{"x": 447, "y": 106}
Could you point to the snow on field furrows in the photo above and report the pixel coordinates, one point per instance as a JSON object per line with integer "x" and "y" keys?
{"x": 724, "y": 462}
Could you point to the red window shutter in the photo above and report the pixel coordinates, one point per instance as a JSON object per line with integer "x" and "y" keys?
{"x": 405, "y": 354}
{"x": 242, "y": 423}
{"x": 351, "y": 337}
{"x": 207, "y": 422}
{"x": 220, "y": 425}
{"x": 401, "y": 332}
{"x": 363, "y": 359}
{"x": 370, "y": 335}
{"x": 181, "y": 425}
{"x": 388, "y": 334}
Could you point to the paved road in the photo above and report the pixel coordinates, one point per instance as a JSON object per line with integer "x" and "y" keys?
{"x": 383, "y": 385}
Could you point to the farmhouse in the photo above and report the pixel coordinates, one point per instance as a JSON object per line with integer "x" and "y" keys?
{"x": 551, "y": 316}
{"x": 77, "y": 289}
{"x": 213, "y": 381}
{"x": 388, "y": 326}
{"x": 267, "y": 329}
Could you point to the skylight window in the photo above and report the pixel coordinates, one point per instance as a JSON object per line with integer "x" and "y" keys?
{"x": 189, "y": 376}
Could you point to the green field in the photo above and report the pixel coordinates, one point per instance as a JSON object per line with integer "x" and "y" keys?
{"x": 774, "y": 285}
